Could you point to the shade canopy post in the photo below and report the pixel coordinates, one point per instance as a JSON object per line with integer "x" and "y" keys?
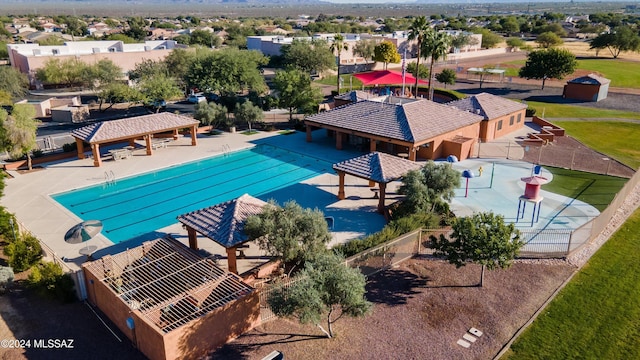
{"x": 231, "y": 260}
{"x": 80, "y": 148}
{"x": 194, "y": 135}
{"x": 383, "y": 187}
{"x": 193, "y": 238}
{"x": 309, "y": 129}
{"x": 339, "y": 140}
{"x": 341, "y": 185}
{"x": 95, "y": 149}
{"x": 147, "y": 141}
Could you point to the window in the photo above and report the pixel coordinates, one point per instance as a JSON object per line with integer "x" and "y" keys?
{"x": 519, "y": 117}
{"x": 500, "y": 125}
{"x": 511, "y": 120}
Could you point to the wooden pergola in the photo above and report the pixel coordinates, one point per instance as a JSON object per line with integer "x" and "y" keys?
{"x": 376, "y": 167}
{"x": 130, "y": 129}
{"x": 224, "y": 224}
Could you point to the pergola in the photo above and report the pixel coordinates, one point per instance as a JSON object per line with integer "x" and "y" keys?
{"x": 376, "y": 167}
{"x": 130, "y": 129}
{"x": 223, "y": 223}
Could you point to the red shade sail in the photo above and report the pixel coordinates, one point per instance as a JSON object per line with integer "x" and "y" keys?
{"x": 387, "y": 77}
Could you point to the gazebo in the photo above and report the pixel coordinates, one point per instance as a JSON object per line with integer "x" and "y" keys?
{"x": 223, "y": 223}
{"x": 130, "y": 129}
{"x": 376, "y": 167}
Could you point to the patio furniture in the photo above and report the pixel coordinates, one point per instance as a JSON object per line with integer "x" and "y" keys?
{"x": 119, "y": 154}
{"x": 159, "y": 143}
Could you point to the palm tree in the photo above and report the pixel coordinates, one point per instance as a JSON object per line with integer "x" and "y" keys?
{"x": 336, "y": 47}
{"x": 418, "y": 31}
{"x": 436, "y": 45}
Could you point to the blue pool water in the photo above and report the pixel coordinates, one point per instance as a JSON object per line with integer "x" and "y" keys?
{"x": 144, "y": 203}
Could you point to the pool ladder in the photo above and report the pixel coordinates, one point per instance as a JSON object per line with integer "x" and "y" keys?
{"x": 109, "y": 177}
{"x": 226, "y": 149}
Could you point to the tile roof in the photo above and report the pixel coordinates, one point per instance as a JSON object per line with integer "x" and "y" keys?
{"x": 224, "y": 223}
{"x": 357, "y": 95}
{"x": 590, "y": 79}
{"x": 376, "y": 166}
{"x": 131, "y": 127}
{"x": 411, "y": 121}
{"x": 487, "y": 105}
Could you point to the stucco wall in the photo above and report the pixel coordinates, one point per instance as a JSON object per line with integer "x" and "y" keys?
{"x": 437, "y": 149}
{"x": 491, "y": 129}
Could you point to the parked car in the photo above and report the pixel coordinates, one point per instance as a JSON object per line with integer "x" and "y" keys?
{"x": 196, "y": 98}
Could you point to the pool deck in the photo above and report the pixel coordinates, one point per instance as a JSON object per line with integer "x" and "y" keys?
{"x": 28, "y": 195}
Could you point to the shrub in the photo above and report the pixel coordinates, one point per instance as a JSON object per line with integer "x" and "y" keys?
{"x": 37, "y": 153}
{"x": 24, "y": 252}
{"x": 530, "y": 112}
{"x": 49, "y": 279}
{"x": 69, "y": 147}
{"x": 391, "y": 231}
{"x": 5, "y": 224}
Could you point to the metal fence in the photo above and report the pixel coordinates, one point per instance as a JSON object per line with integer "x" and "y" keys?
{"x": 50, "y": 143}
{"x": 266, "y": 289}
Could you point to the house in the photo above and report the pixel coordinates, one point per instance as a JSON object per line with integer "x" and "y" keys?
{"x": 587, "y": 88}
{"x": 415, "y": 128}
{"x": 500, "y": 116}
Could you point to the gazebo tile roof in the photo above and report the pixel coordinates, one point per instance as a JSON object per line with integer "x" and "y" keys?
{"x": 410, "y": 121}
{"x": 488, "y": 105}
{"x": 376, "y": 166}
{"x": 224, "y": 222}
{"x": 133, "y": 126}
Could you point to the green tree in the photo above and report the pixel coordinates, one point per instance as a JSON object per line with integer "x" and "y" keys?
{"x": 548, "y": 39}
{"x": 227, "y": 71}
{"x": 548, "y": 64}
{"x": 104, "y": 72}
{"x": 325, "y": 287}
{"x": 436, "y": 46}
{"x": 489, "y": 38}
{"x": 148, "y": 69}
{"x": 623, "y": 38}
{"x": 446, "y": 76}
{"x": 294, "y": 234}
{"x": 68, "y": 72}
{"x": 510, "y": 24}
{"x": 13, "y": 82}
{"x": 365, "y": 49}
{"x": 157, "y": 89}
{"x": 24, "y": 252}
{"x": 179, "y": 61}
{"x": 418, "y": 70}
{"x": 204, "y": 38}
{"x": 295, "y": 91}
{"x": 309, "y": 56}
{"x": 20, "y": 127}
{"x": 117, "y": 93}
{"x": 428, "y": 188}
{"x": 50, "y": 40}
{"x": 386, "y": 52}
{"x": 121, "y": 37}
{"x": 210, "y": 114}
{"x": 337, "y": 46}
{"x": 482, "y": 238}
{"x": 515, "y": 42}
{"x": 418, "y": 30}
{"x": 248, "y": 113}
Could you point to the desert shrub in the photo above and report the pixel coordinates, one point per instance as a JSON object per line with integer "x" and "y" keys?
{"x": 69, "y": 147}
{"x": 37, "y": 153}
{"x": 49, "y": 279}
{"x": 24, "y": 252}
{"x": 5, "y": 224}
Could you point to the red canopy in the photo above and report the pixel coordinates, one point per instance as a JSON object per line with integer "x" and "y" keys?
{"x": 387, "y": 77}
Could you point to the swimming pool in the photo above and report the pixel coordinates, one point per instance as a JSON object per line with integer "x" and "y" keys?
{"x": 138, "y": 205}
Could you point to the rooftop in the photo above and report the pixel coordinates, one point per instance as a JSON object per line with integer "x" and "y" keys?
{"x": 487, "y": 105}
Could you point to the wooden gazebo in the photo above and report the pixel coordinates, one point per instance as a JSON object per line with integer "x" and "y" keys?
{"x": 130, "y": 129}
{"x": 223, "y": 223}
{"x": 376, "y": 167}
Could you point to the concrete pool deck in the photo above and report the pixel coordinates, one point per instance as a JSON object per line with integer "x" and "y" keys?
{"x": 28, "y": 195}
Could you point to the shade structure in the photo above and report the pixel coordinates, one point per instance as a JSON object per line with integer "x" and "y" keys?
{"x": 387, "y": 77}
{"x": 83, "y": 231}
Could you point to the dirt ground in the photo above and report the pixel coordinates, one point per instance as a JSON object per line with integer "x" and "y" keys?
{"x": 420, "y": 310}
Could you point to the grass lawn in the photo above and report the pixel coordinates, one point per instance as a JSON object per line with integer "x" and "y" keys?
{"x": 616, "y": 139}
{"x": 622, "y": 73}
{"x": 597, "y": 190}
{"x": 596, "y": 315}
{"x": 552, "y": 110}
{"x": 348, "y": 80}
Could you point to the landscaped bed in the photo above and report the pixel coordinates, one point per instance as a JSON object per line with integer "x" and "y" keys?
{"x": 421, "y": 309}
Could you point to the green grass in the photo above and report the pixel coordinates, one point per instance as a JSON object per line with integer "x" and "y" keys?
{"x": 348, "y": 80}
{"x": 596, "y": 315}
{"x": 625, "y": 74}
{"x": 594, "y": 189}
{"x": 622, "y": 73}
{"x": 551, "y": 110}
{"x": 618, "y": 140}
